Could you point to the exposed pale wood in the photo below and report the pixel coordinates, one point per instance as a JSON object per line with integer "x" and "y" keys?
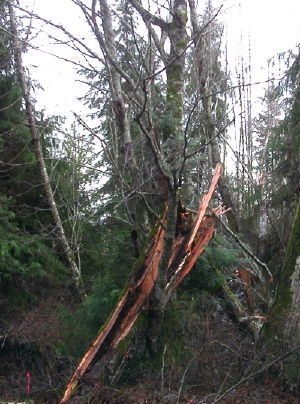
{"x": 195, "y": 253}
{"x": 124, "y": 320}
{"x": 247, "y": 285}
{"x": 89, "y": 356}
{"x": 204, "y": 204}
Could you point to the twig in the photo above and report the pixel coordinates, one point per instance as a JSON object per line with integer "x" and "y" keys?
{"x": 244, "y": 247}
{"x": 257, "y": 372}
{"x": 184, "y": 374}
{"x": 158, "y": 218}
{"x": 163, "y": 369}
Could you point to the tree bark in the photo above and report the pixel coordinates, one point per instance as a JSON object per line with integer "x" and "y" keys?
{"x": 172, "y": 145}
{"x": 282, "y": 329}
{"x": 36, "y": 138}
{"x": 121, "y": 114}
{"x": 129, "y": 175}
{"x": 185, "y": 250}
{"x": 156, "y": 303}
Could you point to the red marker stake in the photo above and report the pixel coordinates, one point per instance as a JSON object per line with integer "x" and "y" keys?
{"x": 28, "y": 382}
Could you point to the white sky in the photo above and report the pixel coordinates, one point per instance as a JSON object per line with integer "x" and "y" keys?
{"x": 272, "y": 26}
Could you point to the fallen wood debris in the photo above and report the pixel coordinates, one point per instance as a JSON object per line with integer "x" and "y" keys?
{"x": 186, "y": 249}
{"x": 246, "y": 281}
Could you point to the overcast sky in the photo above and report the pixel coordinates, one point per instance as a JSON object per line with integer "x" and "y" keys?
{"x": 272, "y": 26}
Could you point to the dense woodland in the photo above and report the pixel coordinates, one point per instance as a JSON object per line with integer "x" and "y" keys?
{"x": 81, "y": 204}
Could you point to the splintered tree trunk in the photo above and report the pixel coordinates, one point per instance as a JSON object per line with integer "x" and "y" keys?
{"x": 284, "y": 318}
{"x": 183, "y": 253}
{"x": 156, "y": 302}
{"x": 64, "y": 244}
{"x": 173, "y": 145}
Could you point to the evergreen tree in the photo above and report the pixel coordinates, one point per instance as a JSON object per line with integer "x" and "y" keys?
{"x": 25, "y": 246}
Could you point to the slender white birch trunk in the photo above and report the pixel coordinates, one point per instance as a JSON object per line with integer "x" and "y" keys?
{"x": 68, "y": 254}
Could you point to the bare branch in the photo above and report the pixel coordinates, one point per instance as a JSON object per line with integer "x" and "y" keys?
{"x": 147, "y": 16}
{"x": 257, "y": 372}
{"x": 189, "y": 44}
{"x": 245, "y": 248}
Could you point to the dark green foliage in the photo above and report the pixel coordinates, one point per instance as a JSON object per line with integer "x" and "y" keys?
{"x": 83, "y": 325}
{"x": 28, "y": 252}
{"x": 283, "y": 147}
{"x": 214, "y": 267}
{"x": 22, "y": 255}
{"x": 108, "y": 256}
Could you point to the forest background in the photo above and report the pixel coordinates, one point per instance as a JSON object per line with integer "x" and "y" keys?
{"x": 160, "y": 106}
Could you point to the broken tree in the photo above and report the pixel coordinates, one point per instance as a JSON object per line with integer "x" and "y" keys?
{"x": 186, "y": 248}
